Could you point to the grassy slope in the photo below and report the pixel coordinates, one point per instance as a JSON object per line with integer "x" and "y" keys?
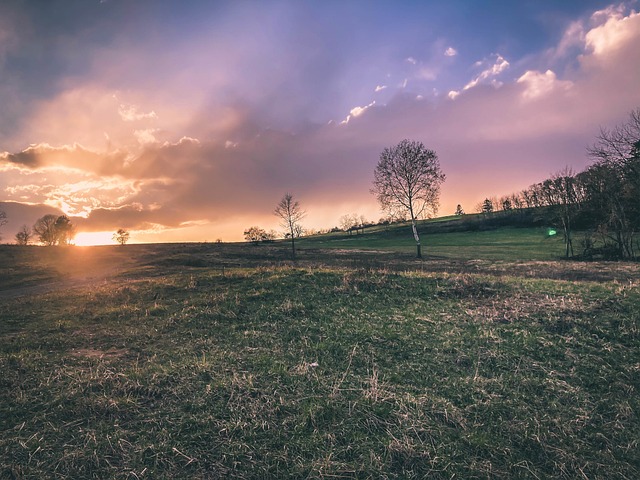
{"x": 183, "y": 371}
{"x": 505, "y": 243}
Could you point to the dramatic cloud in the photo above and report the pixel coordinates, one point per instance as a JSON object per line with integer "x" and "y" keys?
{"x": 199, "y": 137}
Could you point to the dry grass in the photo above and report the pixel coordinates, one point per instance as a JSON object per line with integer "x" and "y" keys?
{"x": 179, "y": 369}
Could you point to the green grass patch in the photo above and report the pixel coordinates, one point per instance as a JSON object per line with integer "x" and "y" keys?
{"x": 507, "y": 243}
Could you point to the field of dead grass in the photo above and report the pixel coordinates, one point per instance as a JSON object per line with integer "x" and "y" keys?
{"x": 209, "y": 361}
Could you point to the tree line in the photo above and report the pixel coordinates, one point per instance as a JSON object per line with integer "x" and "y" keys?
{"x": 49, "y": 230}
{"x": 603, "y": 201}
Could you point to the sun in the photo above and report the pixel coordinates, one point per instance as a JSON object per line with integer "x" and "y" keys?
{"x": 86, "y": 239}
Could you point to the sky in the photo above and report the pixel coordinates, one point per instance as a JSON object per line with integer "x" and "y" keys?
{"x": 189, "y": 120}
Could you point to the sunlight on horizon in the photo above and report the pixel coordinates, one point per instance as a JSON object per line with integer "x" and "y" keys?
{"x": 87, "y": 239}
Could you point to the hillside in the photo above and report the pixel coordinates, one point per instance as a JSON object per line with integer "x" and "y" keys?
{"x": 497, "y": 237}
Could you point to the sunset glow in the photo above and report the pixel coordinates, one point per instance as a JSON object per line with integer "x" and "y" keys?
{"x": 195, "y": 133}
{"x": 86, "y": 239}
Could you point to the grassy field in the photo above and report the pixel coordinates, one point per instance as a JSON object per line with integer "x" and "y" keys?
{"x": 502, "y": 244}
{"x": 452, "y": 238}
{"x": 230, "y": 361}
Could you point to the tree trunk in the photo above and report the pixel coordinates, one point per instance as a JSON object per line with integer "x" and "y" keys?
{"x": 416, "y": 237}
{"x": 293, "y": 245}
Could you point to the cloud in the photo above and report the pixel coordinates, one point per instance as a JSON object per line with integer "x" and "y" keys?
{"x": 538, "y": 84}
{"x": 214, "y": 156}
{"x": 572, "y": 38}
{"x": 356, "y": 112}
{"x": 379, "y": 88}
{"x": 450, "y": 52}
{"x": 615, "y": 32}
{"x": 146, "y": 136}
{"x": 130, "y": 113}
{"x": 499, "y": 65}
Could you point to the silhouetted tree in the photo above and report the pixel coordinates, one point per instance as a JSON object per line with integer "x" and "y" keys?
{"x": 121, "y": 236}
{"x": 348, "y": 221}
{"x": 562, "y": 196}
{"x": 256, "y": 235}
{"x": 45, "y": 229}
{"x": 291, "y": 214}
{"x": 3, "y": 219}
{"x": 408, "y": 177}
{"x": 65, "y": 231}
{"x": 53, "y": 230}
{"x": 24, "y": 235}
{"x": 613, "y": 183}
{"x": 487, "y": 206}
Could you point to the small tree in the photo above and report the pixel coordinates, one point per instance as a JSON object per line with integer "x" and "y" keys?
{"x": 45, "y": 229}
{"x": 255, "y": 235}
{"x": 291, "y": 214}
{"x": 24, "y": 235}
{"x": 121, "y": 236}
{"x": 3, "y": 219}
{"x": 65, "y": 230}
{"x": 487, "y": 206}
{"x": 459, "y": 210}
{"x": 54, "y": 230}
{"x": 408, "y": 177}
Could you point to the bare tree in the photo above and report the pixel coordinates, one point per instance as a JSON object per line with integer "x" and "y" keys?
{"x": 24, "y": 235}
{"x": 291, "y": 214}
{"x": 45, "y": 229}
{"x": 563, "y": 200}
{"x": 121, "y": 236}
{"x": 54, "y": 230}
{"x": 256, "y": 235}
{"x": 408, "y": 177}
{"x": 614, "y": 188}
{"x": 3, "y": 219}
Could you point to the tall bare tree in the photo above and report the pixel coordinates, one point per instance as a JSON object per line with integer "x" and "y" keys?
{"x": 3, "y": 219}
{"x": 408, "y": 177}
{"x": 291, "y": 214}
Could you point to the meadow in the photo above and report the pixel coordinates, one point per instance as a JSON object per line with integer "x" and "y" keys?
{"x": 489, "y": 358}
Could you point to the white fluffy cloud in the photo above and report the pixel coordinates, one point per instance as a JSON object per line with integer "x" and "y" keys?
{"x": 615, "y": 32}
{"x": 538, "y": 84}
